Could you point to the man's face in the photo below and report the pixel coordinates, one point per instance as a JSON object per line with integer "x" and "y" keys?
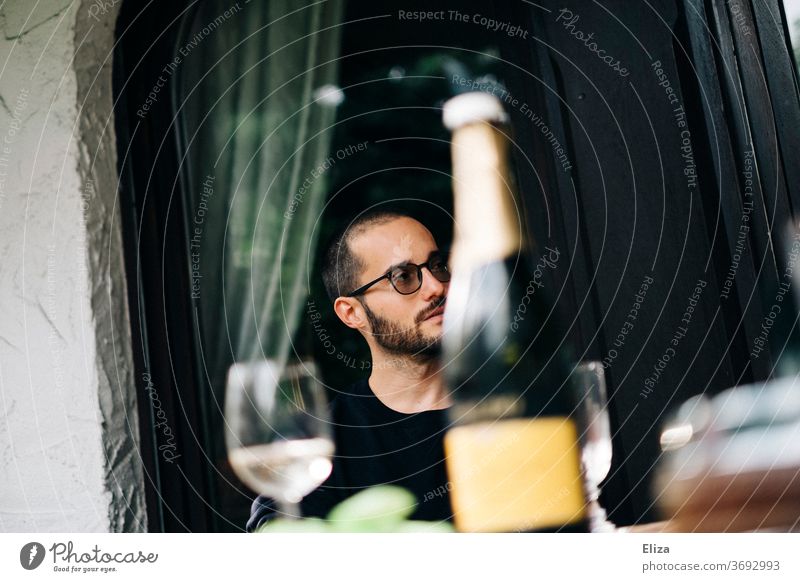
{"x": 401, "y": 324}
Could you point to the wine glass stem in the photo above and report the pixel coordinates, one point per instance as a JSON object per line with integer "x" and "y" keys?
{"x": 289, "y": 509}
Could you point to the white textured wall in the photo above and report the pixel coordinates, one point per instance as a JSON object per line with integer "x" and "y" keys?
{"x": 68, "y": 453}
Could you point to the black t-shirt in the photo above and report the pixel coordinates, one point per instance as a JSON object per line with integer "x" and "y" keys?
{"x": 376, "y": 445}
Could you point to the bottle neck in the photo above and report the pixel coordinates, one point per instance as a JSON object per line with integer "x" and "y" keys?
{"x": 488, "y": 225}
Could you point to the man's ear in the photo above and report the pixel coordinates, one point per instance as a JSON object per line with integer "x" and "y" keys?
{"x": 350, "y": 311}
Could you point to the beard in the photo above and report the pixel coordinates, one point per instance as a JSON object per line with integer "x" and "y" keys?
{"x": 406, "y": 340}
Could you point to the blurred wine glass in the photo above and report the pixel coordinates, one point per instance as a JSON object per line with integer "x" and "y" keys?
{"x": 595, "y": 437}
{"x": 278, "y": 434}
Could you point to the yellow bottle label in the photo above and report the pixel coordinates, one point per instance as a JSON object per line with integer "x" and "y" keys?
{"x": 515, "y": 475}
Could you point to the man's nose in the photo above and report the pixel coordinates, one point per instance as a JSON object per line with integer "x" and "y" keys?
{"x": 431, "y": 286}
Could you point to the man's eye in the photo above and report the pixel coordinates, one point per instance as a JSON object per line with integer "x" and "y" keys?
{"x": 400, "y": 276}
{"x": 439, "y": 267}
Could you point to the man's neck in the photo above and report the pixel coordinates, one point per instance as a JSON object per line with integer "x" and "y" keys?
{"x": 408, "y": 385}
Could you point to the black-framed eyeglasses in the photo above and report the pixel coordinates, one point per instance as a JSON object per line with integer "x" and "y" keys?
{"x": 407, "y": 278}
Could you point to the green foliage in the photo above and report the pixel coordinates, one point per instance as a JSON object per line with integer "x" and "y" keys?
{"x": 375, "y": 509}
{"x": 381, "y": 509}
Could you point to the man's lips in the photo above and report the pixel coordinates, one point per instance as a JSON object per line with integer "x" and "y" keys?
{"x": 435, "y": 312}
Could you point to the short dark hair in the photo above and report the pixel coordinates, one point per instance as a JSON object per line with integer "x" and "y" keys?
{"x": 340, "y": 265}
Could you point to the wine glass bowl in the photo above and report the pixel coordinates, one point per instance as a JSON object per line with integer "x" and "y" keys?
{"x": 278, "y": 435}
{"x": 595, "y": 437}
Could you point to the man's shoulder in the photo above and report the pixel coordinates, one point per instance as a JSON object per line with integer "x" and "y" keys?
{"x": 348, "y": 401}
{"x": 355, "y": 390}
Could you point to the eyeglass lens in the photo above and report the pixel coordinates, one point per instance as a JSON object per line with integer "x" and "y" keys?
{"x": 408, "y": 278}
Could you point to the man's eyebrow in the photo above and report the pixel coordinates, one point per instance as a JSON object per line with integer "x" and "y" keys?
{"x": 408, "y": 261}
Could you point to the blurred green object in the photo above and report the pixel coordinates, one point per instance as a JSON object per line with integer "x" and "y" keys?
{"x": 382, "y": 509}
{"x": 310, "y": 525}
{"x": 377, "y": 509}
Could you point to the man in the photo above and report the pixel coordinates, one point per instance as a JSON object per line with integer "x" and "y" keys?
{"x": 388, "y": 280}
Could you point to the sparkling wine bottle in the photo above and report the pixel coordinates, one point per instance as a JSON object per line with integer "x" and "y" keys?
{"x": 512, "y": 449}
